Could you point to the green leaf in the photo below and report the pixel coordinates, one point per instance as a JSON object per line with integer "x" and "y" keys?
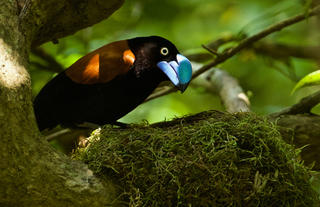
{"x": 309, "y": 80}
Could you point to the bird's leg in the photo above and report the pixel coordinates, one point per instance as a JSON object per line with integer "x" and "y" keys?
{"x": 121, "y": 124}
{"x": 93, "y": 126}
{"x": 88, "y": 125}
{"x": 54, "y": 135}
{"x": 83, "y": 140}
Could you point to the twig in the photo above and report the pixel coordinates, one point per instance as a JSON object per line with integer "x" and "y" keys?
{"x": 199, "y": 57}
{"x": 245, "y": 43}
{"x": 282, "y": 51}
{"x": 210, "y": 50}
{"x": 57, "y": 134}
{"x": 271, "y": 49}
{"x": 53, "y": 65}
{"x": 159, "y": 93}
{"x": 303, "y": 106}
{"x": 84, "y": 127}
{"x": 248, "y": 41}
{"x": 223, "y": 40}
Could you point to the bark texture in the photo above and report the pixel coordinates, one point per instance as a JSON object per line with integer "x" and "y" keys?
{"x": 32, "y": 173}
{"x": 303, "y": 130}
{"x": 50, "y": 20}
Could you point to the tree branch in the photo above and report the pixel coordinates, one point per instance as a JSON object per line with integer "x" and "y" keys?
{"x": 221, "y": 82}
{"x": 271, "y": 49}
{"x": 243, "y": 44}
{"x": 52, "y": 64}
{"x": 225, "y": 39}
{"x": 280, "y": 51}
{"x": 231, "y": 93}
{"x": 303, "y": 106}
{"x": 50, "y": 20}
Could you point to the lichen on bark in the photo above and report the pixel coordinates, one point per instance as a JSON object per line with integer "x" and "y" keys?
{"x": 32, "y": 173}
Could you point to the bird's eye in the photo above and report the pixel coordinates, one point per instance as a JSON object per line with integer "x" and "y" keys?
{"x": 164, "y": 51}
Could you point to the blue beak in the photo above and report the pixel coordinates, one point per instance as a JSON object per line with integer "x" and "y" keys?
{"x": 179, "y": 72}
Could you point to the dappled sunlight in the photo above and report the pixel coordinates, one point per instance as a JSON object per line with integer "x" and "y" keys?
{"x": 12, "y": 73}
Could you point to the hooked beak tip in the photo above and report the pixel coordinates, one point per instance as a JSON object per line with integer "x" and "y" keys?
{"x": 182, "y": 87}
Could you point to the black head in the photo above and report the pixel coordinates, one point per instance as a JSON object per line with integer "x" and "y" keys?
{"x": 154, "y": 53}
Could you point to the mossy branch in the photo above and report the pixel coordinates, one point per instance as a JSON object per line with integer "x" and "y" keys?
{"x": 303, "y": 106}
{"x": 208, "y": 159}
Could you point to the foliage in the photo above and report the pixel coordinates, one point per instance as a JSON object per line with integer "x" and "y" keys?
{"x": 309, "y": 80}
{"x": 210, "y": 159}
{"x": 189, "y": 24}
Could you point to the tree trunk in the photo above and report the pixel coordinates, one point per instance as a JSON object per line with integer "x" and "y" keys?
{"x": 32, "y": 173}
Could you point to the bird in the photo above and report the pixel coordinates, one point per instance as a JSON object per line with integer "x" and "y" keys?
{"x": 109, "y": 82}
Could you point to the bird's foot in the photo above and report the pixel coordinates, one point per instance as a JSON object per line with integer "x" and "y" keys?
{"x": 83, "y": 141}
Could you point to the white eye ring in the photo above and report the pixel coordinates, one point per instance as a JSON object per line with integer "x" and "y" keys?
{"x": 164, "y": 51}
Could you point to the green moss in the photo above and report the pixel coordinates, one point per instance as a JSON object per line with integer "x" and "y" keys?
{"x": 210, "y": 159}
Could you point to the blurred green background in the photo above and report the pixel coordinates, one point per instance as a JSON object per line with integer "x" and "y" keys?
{"x": 188, "y": 24}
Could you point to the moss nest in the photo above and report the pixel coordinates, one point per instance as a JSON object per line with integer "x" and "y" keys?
{"x": 209, "y": 159}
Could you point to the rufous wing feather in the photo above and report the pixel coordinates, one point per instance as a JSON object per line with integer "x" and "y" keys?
{"x": 103, "y": 64}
